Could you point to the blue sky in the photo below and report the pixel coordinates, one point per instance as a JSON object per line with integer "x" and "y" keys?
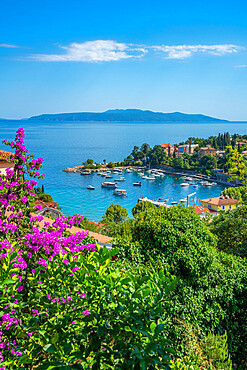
{"x": 87, "y": 55}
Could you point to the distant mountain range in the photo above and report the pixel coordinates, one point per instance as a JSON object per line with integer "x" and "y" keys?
{"x": 128, "y": 115}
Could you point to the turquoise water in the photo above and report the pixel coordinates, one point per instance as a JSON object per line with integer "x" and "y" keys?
{"x": 68, "y": 144}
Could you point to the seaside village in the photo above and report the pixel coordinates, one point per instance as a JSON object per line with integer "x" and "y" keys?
{"x": 208, "y": 207}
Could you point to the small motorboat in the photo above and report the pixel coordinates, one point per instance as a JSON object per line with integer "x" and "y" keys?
{"x": 150, "y": 178}
{"x": 138, "y": 183}
{"x": 173, "y": 203}
{"x": 129, "y": 170}
{"x": 84, "y": 173}
{"x": 120, "y": 179}
{"x": 184, "y": 184}
{"x": 183, "y": 200}
{"x": 108, "y": 177}
{"x": 90, "y": 187}
{"x": 120, "y": 192}
{"x": 109, "y": 184}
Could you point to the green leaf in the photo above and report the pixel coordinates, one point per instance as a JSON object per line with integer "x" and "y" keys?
{"x": 152, "y": 327}
{"x": 50, "y": 348}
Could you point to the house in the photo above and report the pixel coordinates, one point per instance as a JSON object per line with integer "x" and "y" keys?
{"x": 207, "y": 150}
{"x": 202, "y": 211}
{"x": 221, "y": 203}
{"x": 187, "y": 148}
{"x": 5, "y": 161}
{"x": 48, "y": 209}
{"x": 169, "y": 149}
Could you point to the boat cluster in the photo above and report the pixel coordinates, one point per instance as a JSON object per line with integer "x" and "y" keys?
{"x": 190, "y": 181}
{"x": 107, "y": 174}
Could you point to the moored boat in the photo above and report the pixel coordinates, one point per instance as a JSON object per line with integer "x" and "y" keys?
{"x": 184, "y": 184}
{"x": 90, "y": 187}
{"x": 109, "y": 184}
{"x": 120, "y": 192}
{"x": 138, "y": 183}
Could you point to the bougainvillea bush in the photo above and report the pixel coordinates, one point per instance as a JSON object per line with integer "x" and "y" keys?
{"x": 66, "y": 303}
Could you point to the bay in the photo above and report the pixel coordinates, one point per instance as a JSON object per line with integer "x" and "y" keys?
{"x": 66, "y": 144}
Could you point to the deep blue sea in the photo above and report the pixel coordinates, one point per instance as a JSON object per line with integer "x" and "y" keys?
{"x": 66, "y": 144}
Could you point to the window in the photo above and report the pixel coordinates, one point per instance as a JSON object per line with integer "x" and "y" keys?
{"x": 210, "y": 206}
{"x": 230, "y": 207}
{"x": 223, "y": 207}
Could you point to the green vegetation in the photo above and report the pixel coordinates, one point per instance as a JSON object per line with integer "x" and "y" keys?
{"x": 231, "y": 230}
{"x": 239, "y": 193}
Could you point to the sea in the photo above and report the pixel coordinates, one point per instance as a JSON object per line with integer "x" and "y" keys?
{"x": 67, "y": 144}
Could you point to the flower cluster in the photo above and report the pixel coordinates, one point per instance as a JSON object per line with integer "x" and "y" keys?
{"x": 30, "y": 256}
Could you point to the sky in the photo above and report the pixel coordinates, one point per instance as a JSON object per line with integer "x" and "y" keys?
{"x": 88, "y": 55}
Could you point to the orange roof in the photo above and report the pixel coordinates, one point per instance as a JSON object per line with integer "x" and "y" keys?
{"x": 219, "y": 201}
{"x": 165, "y": 145}
{"x": 200, "y": 209}
{"x": 46, "y": 204}
{"x": 5, "y": 155}
{"x": 207, "y": 148}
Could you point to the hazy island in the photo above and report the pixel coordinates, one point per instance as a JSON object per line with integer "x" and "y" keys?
{"x": 128, "y": 115}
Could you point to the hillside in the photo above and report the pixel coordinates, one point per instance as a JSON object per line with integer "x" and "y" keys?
{"x": 128, "y": 115}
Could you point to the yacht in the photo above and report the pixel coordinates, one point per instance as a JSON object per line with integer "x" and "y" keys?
{"x": 84, "y": 173}
{"x": 90, "y": 187}
{"x": 109, "y": 184}
{"x": 138, "y": 183}
{"x": 120, "y": 192}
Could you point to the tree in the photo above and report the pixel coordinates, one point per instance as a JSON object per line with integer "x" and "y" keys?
{"x": 115, "y": 213}
{"x": 236, "y": 164}
{"x": 231, "y": 230}
{"x": 239, "y": 193}
{"x": 141, "y": 207}
{"x": 45, "y": 197}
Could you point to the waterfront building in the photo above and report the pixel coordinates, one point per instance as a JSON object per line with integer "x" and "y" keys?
{"x": 169, "y": 149}
{"x": 186, "y": 149}
{"x": 202, "y": 211}
{"x": 207, "y": 150}
{"x": 221, "y": 203}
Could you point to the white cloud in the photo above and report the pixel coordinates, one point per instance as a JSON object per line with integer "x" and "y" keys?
{"x": 186, "y": 51}
{"x": 9, "y": 46}
{"x": 109, "y": 50}
{"x": 242, "y": 66}
{"x": 93, "y": 51}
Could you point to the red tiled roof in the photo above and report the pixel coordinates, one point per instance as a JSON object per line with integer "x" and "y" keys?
{"x": 219, "y": 201}
{"x": 46, "y": 204}
{"x": 5, "y": 155}
{"x": 200, "y": 209}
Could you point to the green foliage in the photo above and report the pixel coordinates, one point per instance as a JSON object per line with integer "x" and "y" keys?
{"x": 212, "y": 291}
{"x": 45, "y": 197}
{"x": 239, "y": 193}
{"x": 209, "y": 352}
{"x": 141, "y": 207}
{"x": 87, "y": 225}
{"x": 236, "y": 164}
{"x": 124, "y": 327}
{"x": 231, "y": 230}
{"x": 111, "y": 165}
{"x": 115, "y": 213}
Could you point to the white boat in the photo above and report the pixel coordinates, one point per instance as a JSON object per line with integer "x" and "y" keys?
{"x": 90, "y": 187}
{"x": 108, "y": 177}
{"x": 150, "y": 178}
{"x": 141, "y": 173}
{"x": 109, "y": 184}
{"x": 145, "y": 177}
{"x": 128, "y": 170}
{"x": 121, "y": 179}
{"x": 183, "y": 200}
{"x": 189, "y": 178}
{"x": 120, "y": 192}
{"x": 138, "y": 183}
{"x": 84, "y": 173}
{"x": 174, "y": 202}
{"x": 184, "y": 184}
{"x": 99, "y": 173}
{"x": 195, "y": 185}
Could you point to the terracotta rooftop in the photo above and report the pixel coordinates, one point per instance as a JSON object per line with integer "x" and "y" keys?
{"x": 165, "y": 145}
{"x": 200, "y": 209}
{"x": 220, "y": 201}
{"x": 46, "y": 204}
{"x": 207, "y": 148}
{"x": 4, "y": 154}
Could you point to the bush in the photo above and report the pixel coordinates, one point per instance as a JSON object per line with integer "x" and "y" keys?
{"x": 231, "y": 230}
{"x": 45, "y": 197}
